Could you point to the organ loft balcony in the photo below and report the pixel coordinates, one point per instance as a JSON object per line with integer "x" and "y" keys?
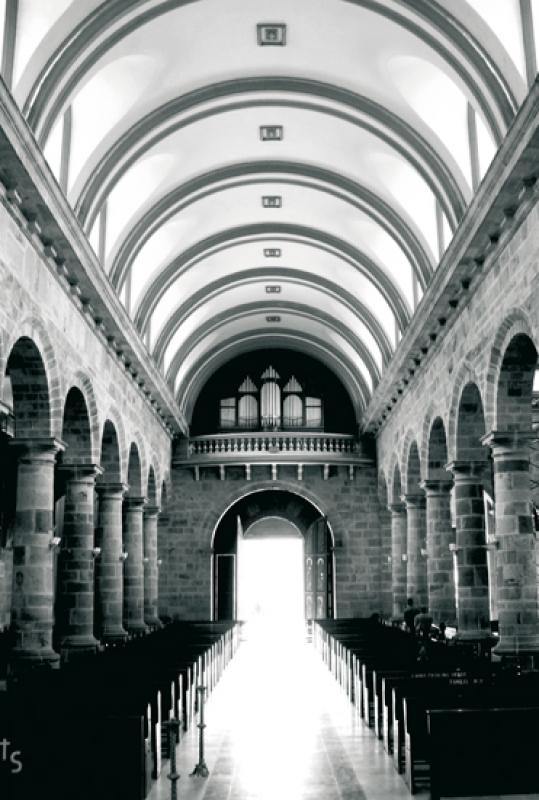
{"x": 255, "y": 420}
{"x": 275, "y": 449}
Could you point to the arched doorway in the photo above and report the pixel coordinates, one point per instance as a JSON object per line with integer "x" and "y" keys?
{"x": 270, "y": 572}
{"x": 281, "y": 518}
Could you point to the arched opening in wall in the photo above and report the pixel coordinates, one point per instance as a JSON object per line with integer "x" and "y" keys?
{"x": 270, "y": 574}
{"x": 296, "y": 529}
{"x": 162, "y": 527}
{"x": 24, "y": 413}
{"x": 534, "y": 459}
{"x": 72, "y": 463}
{"x": 107, "y": 565}
{"x": 517, "y": 407}
{"x": 517, "y": 402}
{"x": 416, "y": 544}
{"x": 273, "y": 389}
{"x": 441, "y": 531}
{"x": 385, "y": 546}
{"x": 474, "y": 565}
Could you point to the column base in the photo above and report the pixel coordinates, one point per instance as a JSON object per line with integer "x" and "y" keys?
{"x": 80, "y": 643}
{"x": 136, "y": 628}
{"x": 26, "y": 660}
{"x": 114, "y": 635}
{"x": 153, "y": 623}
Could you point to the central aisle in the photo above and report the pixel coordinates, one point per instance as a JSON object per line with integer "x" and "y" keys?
{"x": 279, "y": 728}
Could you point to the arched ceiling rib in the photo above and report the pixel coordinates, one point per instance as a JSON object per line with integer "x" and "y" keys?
{"x": 293, "y": 313}
{"x": 361, "y": 197}
{"x": 324, "y": 98}
{"x": 114, "y": 20}
{"x": 268, "y": 275}
{"x": 188, "y": 388}
{"x": 373, "y": 171}
{"x": 272, "y": 230}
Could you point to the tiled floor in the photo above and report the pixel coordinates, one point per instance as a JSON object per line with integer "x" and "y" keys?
{"x": 279, "y": 728}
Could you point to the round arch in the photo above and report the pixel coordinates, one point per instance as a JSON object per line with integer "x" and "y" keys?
{"x": 358, "y": 196}
{"x": 253, "y": 506}
{"x": 516, "y": 323}
{"x": 295, "y": 309}
{"x": 77, "y": 53}
{"x": 155, "y": 289}
{"x": 190, "y": 388}
{"x": 265, "y": 274}
{"x": 356, "y": 109}
{"x": 34, "y": 330}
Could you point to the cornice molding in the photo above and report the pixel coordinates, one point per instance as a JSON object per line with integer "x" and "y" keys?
{"x": 41, "y": 210}
{"x": 507, "y": 193}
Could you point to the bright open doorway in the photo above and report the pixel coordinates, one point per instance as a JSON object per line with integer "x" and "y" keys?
{"x": 270, "y": 578}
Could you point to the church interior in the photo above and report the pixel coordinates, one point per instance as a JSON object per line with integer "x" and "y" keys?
{"x": 269, "y": 331}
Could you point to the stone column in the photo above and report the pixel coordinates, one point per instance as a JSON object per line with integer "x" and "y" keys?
{"x": 75, "y": 601}
{"x": 440, "y": 573}
{"x": 32, "y": 613}
{"x": 151, "y": 618}
{"x": 470, "y": 551}
{"x": 515, "y": 556}
{"x": 416, "y": 566}
{"x": 398, "y": 563}
{"x": 133, "y": 566}
{"x": 109, "y": 564}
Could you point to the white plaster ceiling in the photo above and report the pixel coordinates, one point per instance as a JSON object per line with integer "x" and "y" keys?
{"x": 161, "y": 102}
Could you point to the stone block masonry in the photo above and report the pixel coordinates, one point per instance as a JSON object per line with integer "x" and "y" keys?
{"x": 351, "y": 507}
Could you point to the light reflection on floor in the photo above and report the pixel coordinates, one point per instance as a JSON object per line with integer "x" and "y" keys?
{"x": 279, "y": 728}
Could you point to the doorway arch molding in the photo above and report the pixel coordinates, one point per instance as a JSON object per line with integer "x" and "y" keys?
{"x": 212, "y": 519}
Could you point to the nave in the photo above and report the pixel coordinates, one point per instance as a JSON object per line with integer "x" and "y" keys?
{"x": 279, "y": 727}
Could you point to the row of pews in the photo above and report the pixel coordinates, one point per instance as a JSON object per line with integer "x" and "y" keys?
{"x": 95, "y": 729}
{"x": 450, "y": 719}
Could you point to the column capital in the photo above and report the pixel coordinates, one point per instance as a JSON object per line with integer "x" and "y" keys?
{"x": 436, "y": 486}
{"x": 151, "y": 510}
{"x": 416, "y": 500}
{"x": 462, "y": 469}
{"x": 112, "y": 489}
{"x": 508, "y": 442}
{"x": 80, "y": 471}
{"x": 135, "y": 501}
{"x": 397, "y": 508}
{"x": 45, "y": 447}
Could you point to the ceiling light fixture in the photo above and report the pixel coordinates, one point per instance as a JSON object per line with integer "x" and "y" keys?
{"x": 272, "y": 201}
{"x": 271, "y": 34}
{"x": 271, "y": 133}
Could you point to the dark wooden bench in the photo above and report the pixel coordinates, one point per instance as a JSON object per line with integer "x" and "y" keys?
{"x": 489, "y": 751}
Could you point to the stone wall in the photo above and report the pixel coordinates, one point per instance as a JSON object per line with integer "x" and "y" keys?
{"x": 72, "y": 352}
{"x": 503, "y": 301}
{"x": 6, "y": 574}
{"x": 353, "y": 513}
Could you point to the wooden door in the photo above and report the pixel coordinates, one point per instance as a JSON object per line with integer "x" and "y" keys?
{"x": 224, "y": 589}
{"x": 318, "y": 571}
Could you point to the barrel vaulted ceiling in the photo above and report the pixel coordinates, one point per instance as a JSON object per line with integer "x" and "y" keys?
{"x": 382, "y": 118}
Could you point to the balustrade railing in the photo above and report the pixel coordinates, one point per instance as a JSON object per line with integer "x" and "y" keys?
{"x": 262, "y": 443}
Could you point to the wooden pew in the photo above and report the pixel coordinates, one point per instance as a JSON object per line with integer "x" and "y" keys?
{"x": 148, "y": 679}
{"x": 495, "y": 750}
